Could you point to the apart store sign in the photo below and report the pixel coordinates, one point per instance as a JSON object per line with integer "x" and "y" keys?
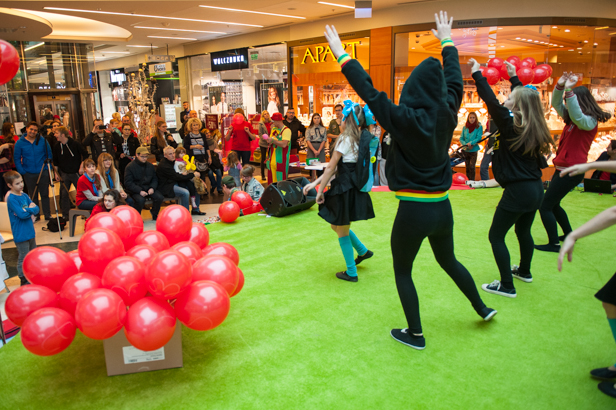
{"x": 318, "y": 58}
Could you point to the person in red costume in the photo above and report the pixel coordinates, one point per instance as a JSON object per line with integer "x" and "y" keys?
{"x": 582, "y": 116}
{"x": 242, "y": 133}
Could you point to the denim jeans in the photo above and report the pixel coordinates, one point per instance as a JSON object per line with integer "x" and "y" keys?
{"x": 86, "y": 205}
{"x": 184, "y": 196}
{"x": 22, "y": 250}
{"x": 218, "y": 181}
{"x": 484, "y": 168}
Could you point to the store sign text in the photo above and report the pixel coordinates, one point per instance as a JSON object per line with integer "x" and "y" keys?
{"x": 320, "y": 53}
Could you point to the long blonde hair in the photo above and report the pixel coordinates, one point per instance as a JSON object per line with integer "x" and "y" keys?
{"x": 529, "y": 123}
{"x": 101, "y": 166}
{"x": 190, "y": 123}
{"x": 352, "y": 130}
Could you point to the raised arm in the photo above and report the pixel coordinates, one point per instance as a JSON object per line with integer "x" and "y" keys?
{"x": 500, "y": 114}
{"x": 451, "y": 61}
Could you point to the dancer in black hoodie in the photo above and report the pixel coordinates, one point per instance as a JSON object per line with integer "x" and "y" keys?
{"x": 421, "y": 128}
{"x": 519, "y": 148}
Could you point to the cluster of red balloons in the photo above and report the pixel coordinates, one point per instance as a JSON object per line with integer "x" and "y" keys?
{"x": 122, "y": 277}
{"x": 9, "y": 62}
{"x": 245, "y": 202}
{"x": 527, "y": 70}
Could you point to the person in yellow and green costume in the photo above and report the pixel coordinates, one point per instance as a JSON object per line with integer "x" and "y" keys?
{"x": 279, "y": 151}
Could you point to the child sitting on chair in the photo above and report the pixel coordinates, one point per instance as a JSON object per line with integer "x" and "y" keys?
{"x": 180, "y": 167}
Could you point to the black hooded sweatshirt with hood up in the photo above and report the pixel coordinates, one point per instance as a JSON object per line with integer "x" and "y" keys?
{"x": 421, "y": 125}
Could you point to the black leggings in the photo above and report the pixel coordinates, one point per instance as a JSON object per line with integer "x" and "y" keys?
{"x": 551, "y": 211}
{"x": 502, "y": 222}
{"x": 414, "y": 222}
{"x": 470, "y": 158}
{"x": 263, "y": 158}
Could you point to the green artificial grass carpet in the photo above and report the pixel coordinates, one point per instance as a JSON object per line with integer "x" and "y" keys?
{"x": 298, "y": 338}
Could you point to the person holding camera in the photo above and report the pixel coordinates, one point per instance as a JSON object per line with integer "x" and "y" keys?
{"x": 30, "y": 154}
{"x": 141, "y": 183}
{"x": 99, "y": 140}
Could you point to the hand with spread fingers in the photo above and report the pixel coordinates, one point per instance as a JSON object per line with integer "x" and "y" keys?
{"x": 443, "y": 26}
{"x": 334, "y": 41}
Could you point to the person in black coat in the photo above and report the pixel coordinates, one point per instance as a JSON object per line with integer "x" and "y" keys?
{"x": 297, "y": 129}
{"x": 608, "y": 155}
{"x": 99, "y": 141}
{"x": 68, "y": 154}
{"x": 161, "y": 140}
{"x": 421, "y": 128}
{"x": 172, "y": 183}
{"x": 140, "y": 183}
{"x": 126, "y": 149}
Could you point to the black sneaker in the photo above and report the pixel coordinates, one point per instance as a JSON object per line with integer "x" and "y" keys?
{"x": 212, "y": 191}
{"x": 561, "y": 238}
{"x": 548, "y": 248}
{"x": 196, "y": 211}
{"x": 487, "y": 313}
{"x": 344, "y": 276}
{"x": 496, "y": 288}
{"x": 220, "y": 193}
{"x": 524, "y": 277}
{"x": 363, "y": 257}
{"x": 24, "y": 281}
{"x": 406, "y": 338}
{"x": 603, "y": 373}
{"x": 608, "y": 388}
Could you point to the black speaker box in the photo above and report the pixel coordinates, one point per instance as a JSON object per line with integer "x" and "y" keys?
{"x": 286, "y": 197}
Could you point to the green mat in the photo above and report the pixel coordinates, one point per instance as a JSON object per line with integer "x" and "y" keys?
{"x": 298, "y": 338}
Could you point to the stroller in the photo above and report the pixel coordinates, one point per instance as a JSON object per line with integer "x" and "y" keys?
{"x": 456, "y": 158}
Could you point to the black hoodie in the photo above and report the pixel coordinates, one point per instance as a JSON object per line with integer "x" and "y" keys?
{"x": 421, "y": 125}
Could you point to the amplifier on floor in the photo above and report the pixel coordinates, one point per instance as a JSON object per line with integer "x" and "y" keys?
{"x": 286, "y": 197}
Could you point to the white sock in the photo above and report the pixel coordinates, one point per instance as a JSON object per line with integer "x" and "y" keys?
{"x": 192, "y": 202}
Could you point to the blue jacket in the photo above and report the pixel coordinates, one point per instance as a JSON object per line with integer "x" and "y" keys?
{"x": 21, "y": 217}
{"x": 472, "y": 137}
{"x": 29, "y": 157}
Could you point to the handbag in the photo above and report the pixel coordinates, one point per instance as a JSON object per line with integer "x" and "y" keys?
{"x": 202, "y": 166}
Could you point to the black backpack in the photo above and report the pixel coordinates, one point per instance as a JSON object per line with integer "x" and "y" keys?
{"x": 52, "y": 225}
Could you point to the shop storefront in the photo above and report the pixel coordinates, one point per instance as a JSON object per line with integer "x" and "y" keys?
{"x": 253, "y": 79}
{"x": 589, "y": 51}
{"x": 317, "y": 84}
{"x": 55, "y": 79}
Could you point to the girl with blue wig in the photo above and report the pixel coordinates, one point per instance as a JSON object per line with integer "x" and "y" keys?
{"x": 345, "y": 201}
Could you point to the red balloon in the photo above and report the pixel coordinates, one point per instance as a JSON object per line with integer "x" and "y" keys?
{"x": 175, "y": 223}
{"x": 133, "y": 221}
{"x": 126, "y": 277}
{"x": 48, "y": 331}
{"x": 229, "y": 211}
{"x": 496, "y": 62}
{"x": 97, "y": 248}
{"x": 143, "y": 253}
{"x": 26, "y": 300}
{"x": 109, "y": 221}
{"x": 199, "y": 235}
{"x": 169, "y": 273}
{"x": 492, "y": 75}
{"x": 219, "y": 269}
{"x": 238, "y": 120}
{"x": 547, "y": 67}
{"x": 503, "y": 73}
{"x": 203, "y": 305}
{"x": 224, "y": 249}
{"x": 242, "y": 199}
{"x": 526, "y": 75}
{"x": 74, "y": 255}
{"x": 48, "y": 266}
{"x": 9, "y": 62}
{"x": 529, "y": 62}
{"x": 515, "y": 60}
{"x": 240, "y": 283}
{"x": 540, "y": 75}
{"x": 100, "y": 314}
{"x": 75, "y": 288}
{"x": 155, "y": 239}
{"x": 150, "y": 324}
{"x": 189, "y": 249}
{"x": 459, "y": 178}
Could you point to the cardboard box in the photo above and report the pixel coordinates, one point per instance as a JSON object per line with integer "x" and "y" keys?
{"x": 122, "y": 358}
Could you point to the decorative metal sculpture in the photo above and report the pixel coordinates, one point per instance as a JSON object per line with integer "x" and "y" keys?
{"x": 140, "y": 101}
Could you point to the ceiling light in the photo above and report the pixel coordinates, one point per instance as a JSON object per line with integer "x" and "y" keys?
{"x": 143, "y": 46}
{"x": 181, "y": 29}
{"x": 560, "y": 46}
{"x": 523, "y": 39}
{"x": 113, "y": 13}
{"x": 529, "y": 40}
{"x": 586, "y": 41}
{"x": 579, "y": 48}
{"x": 253, "y": 12}
{"x": 114, "y": 52}
{"x": 502, "y": 46}
{"x": 173, "y": 38}
{"x": 554, "y": 27}
{"x": 536, "y": 41}
{"x": 517, "y": 38}
{"x": 33, "y": 47}
{"x": 596, "y": 44}
{"x": 571, "y": 49}
{"x": 567, "y": 31}
{"x": 336, "y": 5}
